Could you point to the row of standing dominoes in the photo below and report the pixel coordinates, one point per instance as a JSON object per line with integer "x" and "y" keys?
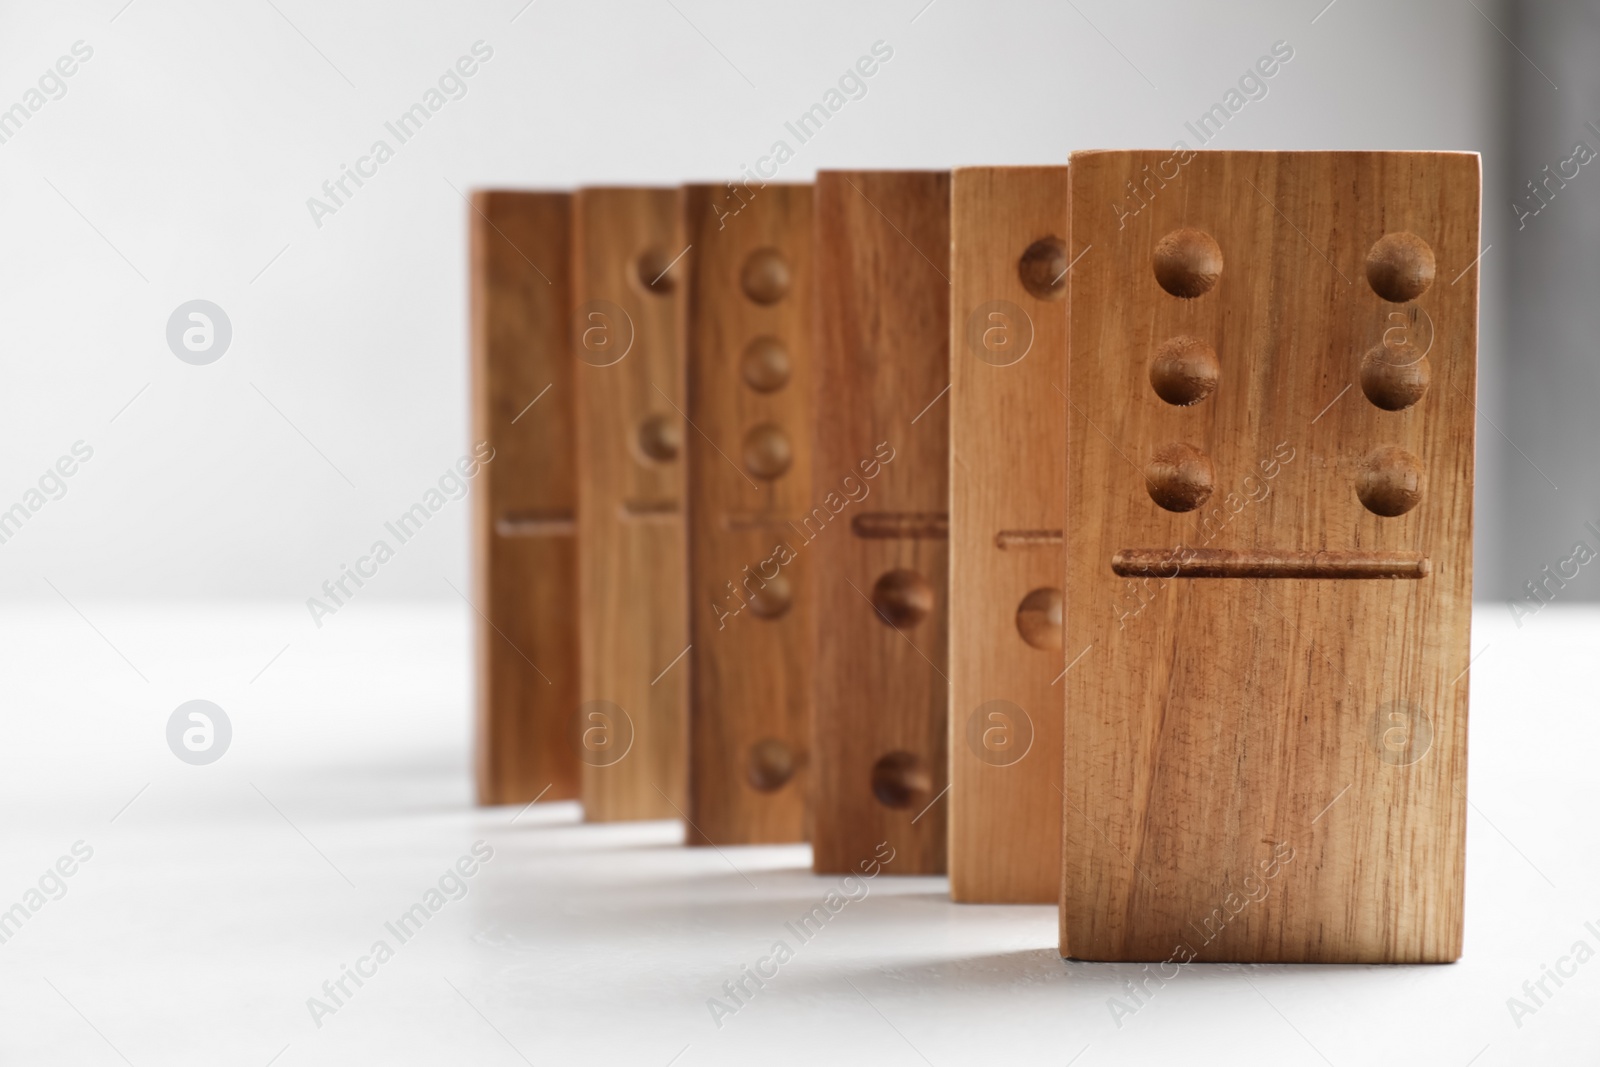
{"x": 991, "y": 514}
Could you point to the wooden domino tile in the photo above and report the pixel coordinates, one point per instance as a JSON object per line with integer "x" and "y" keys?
{"x": 748, "y": 324}
{"x": 878, "y": 524}
{"x": 525, "y": 578}
{"x": 1008, "y": 435}
{"x": 1272, "y": 361}
{"x": 630, "y": 730}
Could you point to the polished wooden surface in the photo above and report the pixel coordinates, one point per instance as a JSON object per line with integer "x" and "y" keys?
{"x": 879, "y": 758}
{"x": 748, "y": 328}
{"x": 633, "y": 624}
{"x": 1008, "y": 434}
{"x": 525, "y": 572}
{"x": 1269, "y": 770}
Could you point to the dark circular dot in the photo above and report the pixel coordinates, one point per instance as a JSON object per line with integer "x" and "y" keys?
{"x": 1187, "y": 262}
{"x": 770, "y": 765}
{"x": 1390, "y": 481}
{"x": 1394, "y": 378}
{"x": 765, "y": 277}
{"x": 660, "y": 437}
{"x": 1400, "y": 267}
{"x": 772, "y": 599}
{"x": 767, "y": 453}
{"x": 1043, "y": 268}
{"x": 903, "y": 598}
{"x": 1039, "y": 618}
{"x": 657, "y": 271}
{"x": 765, "y": 365}
{"x": 1179, "y": 477}
{"x": 1184, "y": 371}
{"x": 900, "y": 779}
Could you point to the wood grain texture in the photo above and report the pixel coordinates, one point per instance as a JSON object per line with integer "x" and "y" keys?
{"x": 1008, "y": 435}
{"x": 879, "y": 757}
{"x": 525, "y": 580}
{"x": 1277, "y": 563}
{"x": 1257, "y": 770}
{"x": 633, "y": 612}
{"x": 749, "y": 452}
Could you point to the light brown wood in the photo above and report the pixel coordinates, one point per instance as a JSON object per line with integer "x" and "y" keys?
{"x": 525, "y": 578}
{"x": 748, "y": 324}
{"x": 1269, "y": 771}
{"x": 1008, "y": 436}
{"x": 628, "y": 297}
{"x": 879, "y": 757}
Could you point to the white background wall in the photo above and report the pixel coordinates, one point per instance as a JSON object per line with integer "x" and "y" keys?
{"x": 178, "y": 164}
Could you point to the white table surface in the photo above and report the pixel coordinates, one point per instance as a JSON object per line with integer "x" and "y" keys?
{"x": 219, "y": 898}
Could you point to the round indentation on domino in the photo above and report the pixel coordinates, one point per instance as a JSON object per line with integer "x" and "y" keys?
{"x": 901, "y": 779}
{"x": 1185, "y": 371}
{"x": 1043, "y": 269}
{"x": 765, "y": 277}
{"x": 659, "y": 438}
{"x": 1187, "y": 262}
{"x": 1390, "y": 481}
{"x": 1179, "y": 477}
{"x": 657, "y": 270}
{"x": 903, "y": 598}
{"x": 1395, "y": 377}
{"x": 771, "y": 599}
{"x": 1400, "y": 267}
{"x": 765, "y": 364}
{"x": 1039, "y": 618}
{"x": 767, "y": 452}
{"x": 770, "y": 764}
